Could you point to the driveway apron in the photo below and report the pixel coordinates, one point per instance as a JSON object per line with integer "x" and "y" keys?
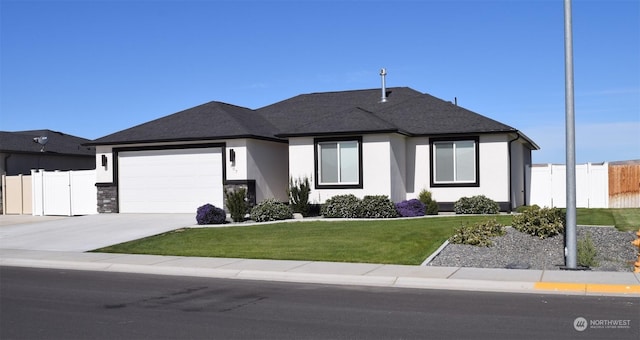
{"x": 84, "y": 233}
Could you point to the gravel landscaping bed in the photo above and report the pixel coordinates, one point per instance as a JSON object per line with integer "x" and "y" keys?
{"x": 519, "y": 250}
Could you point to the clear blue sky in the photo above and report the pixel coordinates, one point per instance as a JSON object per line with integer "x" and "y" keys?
{"x": 91, "y": 68}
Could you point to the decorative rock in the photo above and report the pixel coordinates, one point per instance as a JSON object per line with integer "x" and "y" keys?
{"x": 614, "y": 251}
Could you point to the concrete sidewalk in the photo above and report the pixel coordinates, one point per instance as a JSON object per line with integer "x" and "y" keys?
{"x": 426, "y": 277}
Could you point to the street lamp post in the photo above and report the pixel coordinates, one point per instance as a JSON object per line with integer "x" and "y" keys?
{"x": 570, "y": 228}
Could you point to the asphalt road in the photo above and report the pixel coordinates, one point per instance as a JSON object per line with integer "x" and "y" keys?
{"x": 64, "y": 304}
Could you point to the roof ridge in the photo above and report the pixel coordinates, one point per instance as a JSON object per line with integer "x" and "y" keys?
{"x": 251, "y": 129}
{"x": 356, "y": 90}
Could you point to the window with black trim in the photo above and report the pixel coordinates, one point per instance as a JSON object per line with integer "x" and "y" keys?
{"x": 338, "y": 163}
{"x": 454, "y": 162}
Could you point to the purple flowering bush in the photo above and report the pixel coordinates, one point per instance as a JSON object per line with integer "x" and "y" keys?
{"x": 210, "y": 214}
{"x": 411, "y": 208}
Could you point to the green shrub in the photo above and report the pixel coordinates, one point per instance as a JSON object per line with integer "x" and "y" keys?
{"x": 521, "y": 209}
{"x": 430, "y": 204}
{"x": 236, "y": 201}
{"x": 586, "y": 252}
{"x": 298, "y": 193}
{"x": 540, "y": 222}
{"x": 479, "y": 204}
{"x": 478, "y": 234}
{"x": 377, "y": 206}
{"x": 271, "y": 210}
{"x": 341, "y": 206}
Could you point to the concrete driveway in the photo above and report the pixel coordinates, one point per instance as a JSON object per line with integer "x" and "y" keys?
{"x": 84, "y": 233}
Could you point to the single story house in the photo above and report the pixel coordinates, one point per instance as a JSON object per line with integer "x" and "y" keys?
{"x": 391, "y": 141}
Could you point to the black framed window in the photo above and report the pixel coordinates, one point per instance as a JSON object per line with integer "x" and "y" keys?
{"x": 338, "y": 162}
{"x": 455, "y": 162}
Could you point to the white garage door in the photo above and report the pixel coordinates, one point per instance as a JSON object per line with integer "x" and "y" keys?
{"x": 169, "y": 181}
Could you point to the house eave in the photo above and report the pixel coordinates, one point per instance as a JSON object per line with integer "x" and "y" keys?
{"x": 340, "y": 133}
{"x": 192, "y": 139}
{"x": 47, "y": 153}
{"x": 534, "y": 146}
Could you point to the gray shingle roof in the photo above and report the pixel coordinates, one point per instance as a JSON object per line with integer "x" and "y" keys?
{"x": 207, "y": 121}
{"x": 406, "y": 111}
{"x": 57, "y": 143}
{"x": 428, "y": 115}
{"x": 293, "y": 115}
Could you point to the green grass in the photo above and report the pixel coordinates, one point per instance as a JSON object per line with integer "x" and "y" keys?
{"x": 627, "y": 219}
{"x": 406, "y": 241}
{"x": 391, "y": 241}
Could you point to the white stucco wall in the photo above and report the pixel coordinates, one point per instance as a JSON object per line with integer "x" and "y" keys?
{"x": 521, "y": 165}
{"x": 267, "y": 164}
{"x": 418, "y": 170}
{"x": 104, "y": 174}
{"x": 494, "y": 173}
{"x": 380, "y": 176}
{"x": 238, "y": 169}
{"x": 398, "y": 166}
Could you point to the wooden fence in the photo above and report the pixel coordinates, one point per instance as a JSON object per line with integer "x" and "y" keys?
{"x": 624, "y": 185}
{"x": 16, "y": 195}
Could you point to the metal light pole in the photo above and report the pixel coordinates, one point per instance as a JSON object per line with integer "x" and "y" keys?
{"x": 570, "y": 228}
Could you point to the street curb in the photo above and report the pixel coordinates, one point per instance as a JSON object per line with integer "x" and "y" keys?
{"x": 588, "y": 288}
{"x": 390, "y": 281}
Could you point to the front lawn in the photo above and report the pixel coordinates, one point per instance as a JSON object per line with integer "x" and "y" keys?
{"x": 392, "y": 241}
{"x": 627, "y": 219}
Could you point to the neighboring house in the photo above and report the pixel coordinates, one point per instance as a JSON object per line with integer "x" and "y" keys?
{"x": 20, "y": 152}
{"x": 358, "y": 142}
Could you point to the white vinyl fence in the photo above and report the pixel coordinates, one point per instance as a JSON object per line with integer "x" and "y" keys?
{"x": 548, "y": 185}
{"x": 66, "y": 193}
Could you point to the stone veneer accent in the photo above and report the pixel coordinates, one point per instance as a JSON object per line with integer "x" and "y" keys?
{"x": 107, "y": 198}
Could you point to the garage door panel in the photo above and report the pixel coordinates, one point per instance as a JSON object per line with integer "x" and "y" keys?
{"x": 177, "y": 180}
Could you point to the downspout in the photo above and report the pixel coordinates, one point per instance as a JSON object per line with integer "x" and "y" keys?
{"x": 3, "y": 194}
{"x": 511, "y": 170}
{"x": 5, "y": 164}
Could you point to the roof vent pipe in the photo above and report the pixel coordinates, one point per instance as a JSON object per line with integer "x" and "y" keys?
{"x": 383, "y": 73}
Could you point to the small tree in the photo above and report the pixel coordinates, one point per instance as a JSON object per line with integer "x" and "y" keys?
{"x": 236, "y": 203}
{"x": 298, "y": 193}
{"x": 431, "y": 206}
